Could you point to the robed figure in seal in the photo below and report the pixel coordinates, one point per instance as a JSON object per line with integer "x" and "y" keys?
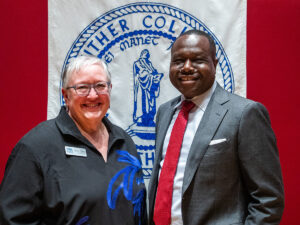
{"x": 146, "y": 90}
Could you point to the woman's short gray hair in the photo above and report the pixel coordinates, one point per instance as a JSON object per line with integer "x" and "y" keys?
{"x": 78, "y": 63}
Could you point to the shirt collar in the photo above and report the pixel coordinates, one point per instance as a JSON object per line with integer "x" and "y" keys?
{"x": 201, "y": 101}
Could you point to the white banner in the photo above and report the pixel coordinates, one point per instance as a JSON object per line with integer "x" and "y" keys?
{"x": 134, "y": 38}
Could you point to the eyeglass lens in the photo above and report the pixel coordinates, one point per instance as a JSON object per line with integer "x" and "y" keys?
{"x": 84, "y": 89}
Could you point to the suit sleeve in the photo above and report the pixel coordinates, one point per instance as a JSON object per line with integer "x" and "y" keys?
{"x": 260, "y": 166}
{"x": 21, "y": 189}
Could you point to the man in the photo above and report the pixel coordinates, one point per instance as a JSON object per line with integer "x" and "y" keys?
{"x": 228, "y": 170}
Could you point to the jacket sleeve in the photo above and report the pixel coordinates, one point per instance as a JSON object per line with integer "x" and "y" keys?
{"x": 260, "y": 166}
{"x": 21, "y": 189}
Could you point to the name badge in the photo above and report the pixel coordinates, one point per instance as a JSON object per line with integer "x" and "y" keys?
{"x": 75, "y": 151}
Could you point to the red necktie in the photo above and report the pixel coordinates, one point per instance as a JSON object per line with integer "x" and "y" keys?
{"x": 163, "y": 202}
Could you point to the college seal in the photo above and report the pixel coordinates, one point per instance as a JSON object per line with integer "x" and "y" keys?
{"x": 135, "y": 41}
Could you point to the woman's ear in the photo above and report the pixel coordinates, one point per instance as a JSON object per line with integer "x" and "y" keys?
{"x": 65, "y": 95}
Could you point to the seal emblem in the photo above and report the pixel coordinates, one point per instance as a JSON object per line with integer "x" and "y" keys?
{"x": 135, "y": 41}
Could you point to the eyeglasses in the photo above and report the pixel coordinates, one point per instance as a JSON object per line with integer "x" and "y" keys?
{"x": 84, "y": 89}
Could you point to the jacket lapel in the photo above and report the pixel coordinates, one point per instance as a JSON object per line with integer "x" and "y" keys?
{"x": 165, "y": 118}
{"x": 163, "y": 125}
{"x": 209, "y": 124}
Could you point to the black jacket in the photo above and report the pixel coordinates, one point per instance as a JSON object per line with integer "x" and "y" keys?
{"x": 45, "y": 185}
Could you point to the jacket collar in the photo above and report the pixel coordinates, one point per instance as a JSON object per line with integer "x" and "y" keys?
{"x": 68, "y": 127}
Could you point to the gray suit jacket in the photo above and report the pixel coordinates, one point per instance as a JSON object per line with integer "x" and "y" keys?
{"x": 237, "y": 181}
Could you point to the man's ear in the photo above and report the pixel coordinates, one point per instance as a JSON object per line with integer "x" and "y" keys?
{"x": 216, "y": 62}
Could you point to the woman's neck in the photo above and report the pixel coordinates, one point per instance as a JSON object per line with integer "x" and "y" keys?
{"x": 98, "y": 137}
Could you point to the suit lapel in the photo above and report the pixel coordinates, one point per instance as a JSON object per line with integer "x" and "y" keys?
{"x": 164, "y": 123}
{"x": 209, "y": 124}
{"x": 165, "y": 118}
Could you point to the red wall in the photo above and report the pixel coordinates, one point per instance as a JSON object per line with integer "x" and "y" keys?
{"x": 23, "y": 67}
{"x": 272, "y": 77}
{"x": 273, "y": 32}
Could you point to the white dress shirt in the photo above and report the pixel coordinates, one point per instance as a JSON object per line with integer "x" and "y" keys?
{"x": 194, "y": 120}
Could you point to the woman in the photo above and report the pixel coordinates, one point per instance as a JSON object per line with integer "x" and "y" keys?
{"x": 78, "y": 168}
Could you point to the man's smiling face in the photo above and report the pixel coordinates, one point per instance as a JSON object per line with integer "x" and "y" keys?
{"x": 192, "y": 67}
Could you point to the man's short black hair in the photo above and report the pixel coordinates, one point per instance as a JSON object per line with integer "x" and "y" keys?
{"x": 200, "y": 33}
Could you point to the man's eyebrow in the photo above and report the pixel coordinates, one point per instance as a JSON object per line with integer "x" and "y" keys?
{"x": 199, "y": 54}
